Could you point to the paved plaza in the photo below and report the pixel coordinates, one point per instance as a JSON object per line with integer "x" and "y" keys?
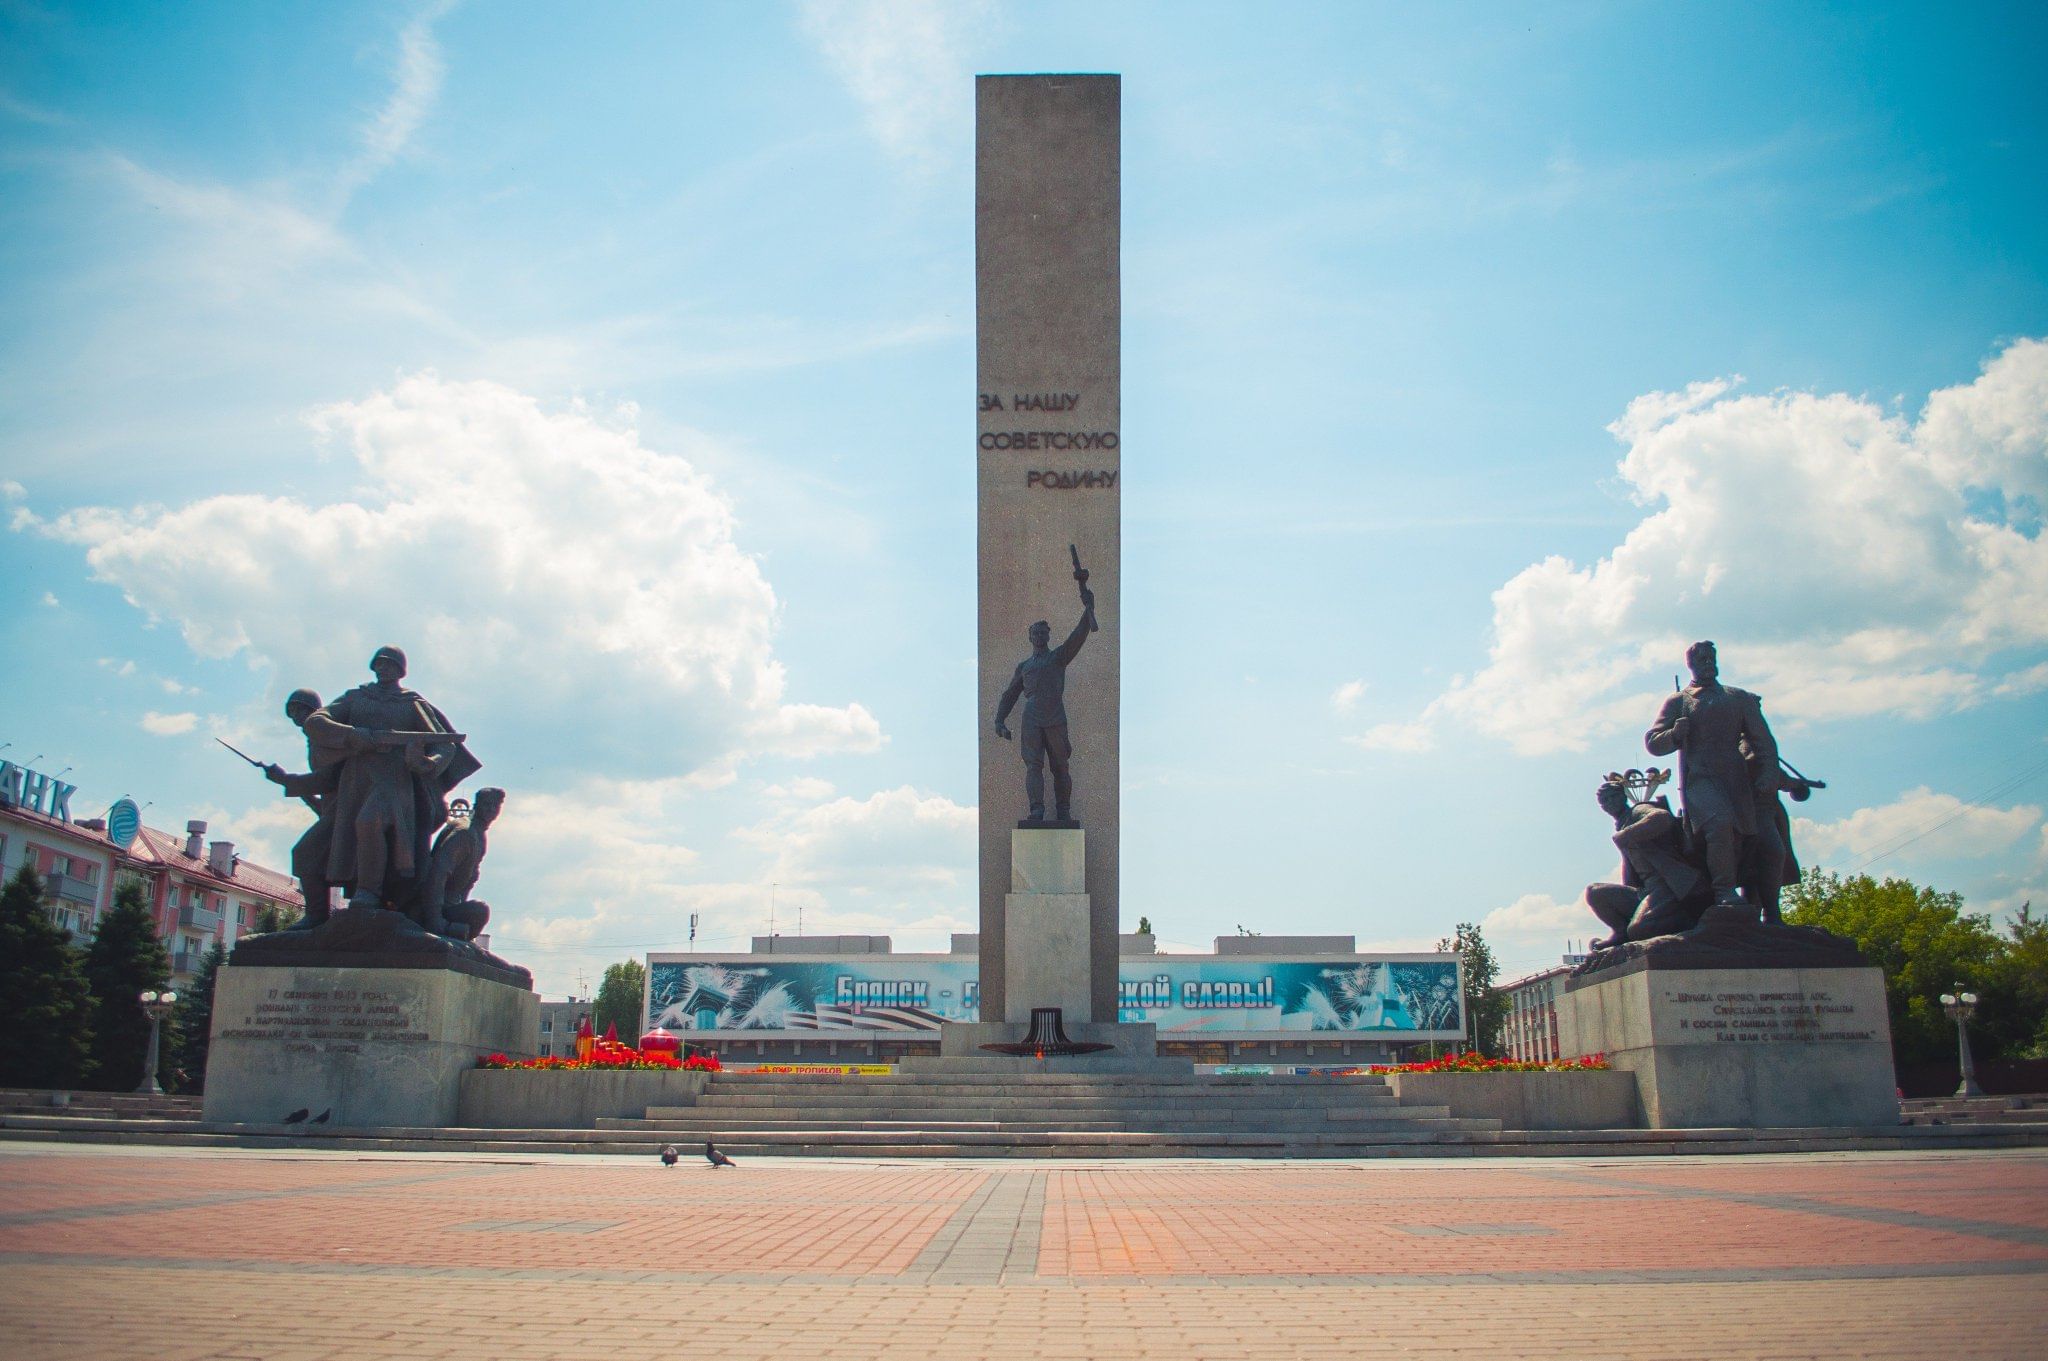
{"x": 124, "y": 1252}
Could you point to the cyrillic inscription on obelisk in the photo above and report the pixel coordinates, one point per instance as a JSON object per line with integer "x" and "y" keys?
{"x": 1047, "y": 321}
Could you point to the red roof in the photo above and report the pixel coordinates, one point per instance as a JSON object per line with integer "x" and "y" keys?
{"x": 154, "y": 849}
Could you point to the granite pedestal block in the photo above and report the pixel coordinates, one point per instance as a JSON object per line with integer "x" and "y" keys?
{"x": 1047, "y": 921}
{"x": 375, "y": 1046}
{"x": 1751, "y": 1047}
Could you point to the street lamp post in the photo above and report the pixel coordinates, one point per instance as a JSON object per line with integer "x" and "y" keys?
{"x": 156, "y": 1005}
{"x": 1960, "y": 1006}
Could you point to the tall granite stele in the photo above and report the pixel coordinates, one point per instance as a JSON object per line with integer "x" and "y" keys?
{"x": 367, "y": 1017}
{"x": 1048, "y": 326}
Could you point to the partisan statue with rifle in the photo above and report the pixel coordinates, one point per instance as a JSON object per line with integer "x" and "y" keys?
{"x": 1726, "y": 855}
{"x": 382, "y": 763}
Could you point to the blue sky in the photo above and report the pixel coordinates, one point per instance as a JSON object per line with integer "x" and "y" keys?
{"x": 618, "y": 362}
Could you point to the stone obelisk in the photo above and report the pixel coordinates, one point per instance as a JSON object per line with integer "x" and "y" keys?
{"x": 1048, "y": 315}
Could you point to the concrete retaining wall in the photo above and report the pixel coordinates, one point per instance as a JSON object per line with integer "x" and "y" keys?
{"x": 534, "y": 1098}
{"x": 1586, "y": 1099}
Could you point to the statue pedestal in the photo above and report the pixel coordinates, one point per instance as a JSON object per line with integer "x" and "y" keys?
{"x": 1045, "y": 964}
{"x": 375, "y": 1046}
{"x": 1753, "y": 1047}
{"x": 1046, "y": 925}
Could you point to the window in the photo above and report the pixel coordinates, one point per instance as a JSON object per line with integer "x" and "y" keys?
{"x": 547, "y": 1025}
{"x": 545, "y": 1048}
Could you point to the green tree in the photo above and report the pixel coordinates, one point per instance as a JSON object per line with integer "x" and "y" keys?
{"x": 618, "y": 1000}
{"x": 2014, "y": 1009}
{"x": 1921, "y": 938}
{"x": 1144, "y": 926}
{"x": 194, "y": 1024}
{"x": 1486, "y": 1006}
{"x": 124, "y": 960}
{"x": 270, "y": 917}
{"x": 42, "y": 993}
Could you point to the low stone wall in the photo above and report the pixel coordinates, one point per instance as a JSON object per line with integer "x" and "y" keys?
{"x": 1587, "y": 1098}
{"x": 536, "y": 1098}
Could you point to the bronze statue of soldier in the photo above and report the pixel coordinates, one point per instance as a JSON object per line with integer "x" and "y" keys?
{"x": 1661, "y": 892}
{"x": 403, "y": 756}
{"x": 457, "y": 859}
{"x": 1727, "y": 764}
{"x": 1040, "y": 680}
{"x": 316, "y": 790}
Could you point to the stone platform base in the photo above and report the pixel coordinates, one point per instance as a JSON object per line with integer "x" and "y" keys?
{"x": 371, "y": 1046}
{"x": 1757, "y": 1048}
{"x": 1132, "y": 1049}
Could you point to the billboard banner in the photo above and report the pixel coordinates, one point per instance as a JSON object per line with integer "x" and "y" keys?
{"x": 865, "y": 995}
{"x": 1202, "y": 997}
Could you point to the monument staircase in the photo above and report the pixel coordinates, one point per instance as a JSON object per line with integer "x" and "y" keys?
{"x": 913, "y": 1114}
{"x": 1033, "y": 1115}
{"x": 2029, "y": 1110}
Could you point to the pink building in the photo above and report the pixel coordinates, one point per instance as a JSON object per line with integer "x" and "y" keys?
{"x": 200, "y": 891}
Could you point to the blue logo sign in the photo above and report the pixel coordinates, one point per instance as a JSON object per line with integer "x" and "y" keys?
{"x": 124, "y": 823}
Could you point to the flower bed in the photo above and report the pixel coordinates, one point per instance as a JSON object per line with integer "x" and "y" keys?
{"x": 609, "y": 1058}
{"x": 1469, "y": 1062}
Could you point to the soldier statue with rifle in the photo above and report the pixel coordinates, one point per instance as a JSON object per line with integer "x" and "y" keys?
{"x": 1041, "y": 682}
{"x": 399, "y": 757}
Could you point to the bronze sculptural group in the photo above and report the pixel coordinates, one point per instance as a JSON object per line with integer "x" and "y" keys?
{"x": 1729, "y": 848}
{"x": 382, "y": 762}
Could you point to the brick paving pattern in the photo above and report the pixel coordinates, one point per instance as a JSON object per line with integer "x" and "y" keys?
{"x": 293, "y": 1257}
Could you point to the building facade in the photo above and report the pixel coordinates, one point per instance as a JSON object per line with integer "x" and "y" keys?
{"x": 558, "y": 1018}
{"x": 199, "y": 891}
{"x": 1530, "y": 1033}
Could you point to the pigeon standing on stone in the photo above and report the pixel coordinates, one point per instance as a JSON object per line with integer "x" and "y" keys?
{"x": 297, "y": 1116}
{"x": 716, "y": 1158}
{"x": 321, "y": 1118}
{"x": 669, "y": 1155}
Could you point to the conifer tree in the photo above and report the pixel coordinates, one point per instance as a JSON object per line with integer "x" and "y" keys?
{"x": 186, "y": 1061}
{"x": 125, "y": 959}
{"x": 42, "y": 993}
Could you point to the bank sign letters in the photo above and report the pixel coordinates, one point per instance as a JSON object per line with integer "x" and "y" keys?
{"x": 21, "y": 787}
{"x": 1030, "y": 441}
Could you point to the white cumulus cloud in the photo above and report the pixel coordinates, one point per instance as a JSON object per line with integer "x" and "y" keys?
{"x": 1920, "y": 822}
{"x": 1849, "y": 562}
{"x": 906, "y": 63}
{"x": 168, "y": 725}
{"x": 546, "y": 571}
{"x": 893, "y": 841}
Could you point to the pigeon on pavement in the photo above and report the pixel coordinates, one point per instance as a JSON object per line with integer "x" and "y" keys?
{"x": 717, "y": 1159}
{"x": 297, "y": 1116}
{"x": 669, "y": 1155}
{"x": 321, "y": 1118}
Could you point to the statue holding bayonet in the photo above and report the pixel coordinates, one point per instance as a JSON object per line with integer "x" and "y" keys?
{"x": 315, "y": 789}
{"x": 1041, "y": 682}
{"x": 398, "y": 758}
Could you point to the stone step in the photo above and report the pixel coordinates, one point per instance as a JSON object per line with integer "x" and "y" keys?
{"x": 704, "y": 1124}
{"x": 35, "y": 1098}
{"x": 924, "y": 1077}
{"x": 999, "y": 1100}
{"x": 1199, "y": 1082}
{"x": 1994, "y": 1117}
{"x": 1507, "y": 1143}
{"x": 1027, "y": 1111}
